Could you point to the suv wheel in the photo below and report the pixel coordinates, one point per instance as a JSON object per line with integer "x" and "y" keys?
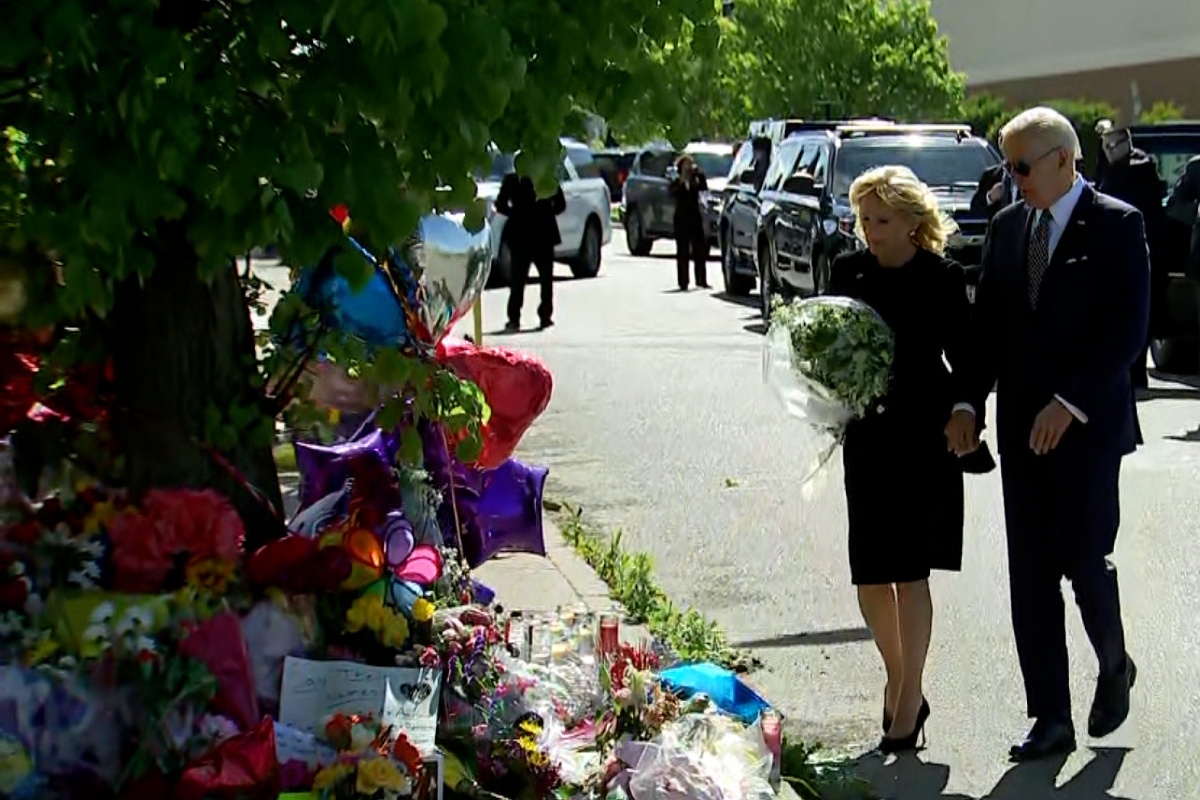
{"x": 766, "y": 285}
{"x": 635, "y": 234}
{"x": 735, "y": 285}
{"x": 587, "y": 263}
{"x": 501, "y": 274}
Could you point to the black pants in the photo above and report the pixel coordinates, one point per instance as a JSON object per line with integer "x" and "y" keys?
{"x": 543, "y": 259}
{"x": 1061, "y": 522}
{"x": 690, "y": 244}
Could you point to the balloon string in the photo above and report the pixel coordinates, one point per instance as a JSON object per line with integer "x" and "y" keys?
{"x": 453, "y": 499}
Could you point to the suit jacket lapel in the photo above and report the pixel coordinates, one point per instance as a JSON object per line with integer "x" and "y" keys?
{"x": 1075, "y": 234}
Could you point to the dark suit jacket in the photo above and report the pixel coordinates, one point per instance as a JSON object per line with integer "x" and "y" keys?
{"x": 1088, "y": 328}
{"x": 533, "y": 219}
{"x": 990, "y": 177}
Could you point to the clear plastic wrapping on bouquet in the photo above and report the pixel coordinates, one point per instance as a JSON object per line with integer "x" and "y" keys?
{"x": 827, "y": 360}
{"x": 568, "y": 690}
{"x": 801, "y": 396}
{"x": 704, "y": 756}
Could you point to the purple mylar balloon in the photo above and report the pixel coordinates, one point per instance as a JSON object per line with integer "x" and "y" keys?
{"x": 499, "y": 510}
{"x": 324, "y": 469}
{"x": 397, "y": 538}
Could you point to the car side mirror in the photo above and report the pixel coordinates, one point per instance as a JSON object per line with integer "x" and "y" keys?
{"x": 671, "y": 173}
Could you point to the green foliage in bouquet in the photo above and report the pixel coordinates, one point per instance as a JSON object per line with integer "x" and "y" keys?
{"x": 842, "y": 345}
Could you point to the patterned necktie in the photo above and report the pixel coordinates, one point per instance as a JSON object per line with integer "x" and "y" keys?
{"x": 1039, "y": 255}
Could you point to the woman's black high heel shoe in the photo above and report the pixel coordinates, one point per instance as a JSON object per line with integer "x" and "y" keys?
{"x": 889, "y": 746}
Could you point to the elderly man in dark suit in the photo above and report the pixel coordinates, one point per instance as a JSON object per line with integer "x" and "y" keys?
{"x": 1062, "y": 308}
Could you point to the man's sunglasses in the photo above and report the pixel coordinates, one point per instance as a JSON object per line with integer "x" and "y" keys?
{"x": 1023, "y": 168}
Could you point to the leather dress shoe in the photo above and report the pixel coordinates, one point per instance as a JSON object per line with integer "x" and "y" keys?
{"x": 1111, "y": 704}
{"x": 1047, "y": 738}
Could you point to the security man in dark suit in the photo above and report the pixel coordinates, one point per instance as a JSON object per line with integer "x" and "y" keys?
{"x": 532, "y": 234}
{"x": 995, "y": 192}
{"x": 1131, "y": 175}
{"x": 1062, "y": 310}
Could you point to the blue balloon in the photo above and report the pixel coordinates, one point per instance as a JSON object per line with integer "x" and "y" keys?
{"x": 373, "y": 314}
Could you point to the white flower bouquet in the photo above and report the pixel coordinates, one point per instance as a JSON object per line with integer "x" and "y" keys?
{"x": 828, "y": 360}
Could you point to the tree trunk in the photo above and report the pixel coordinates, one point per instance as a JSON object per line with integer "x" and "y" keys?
{"x": 181, "y": 346}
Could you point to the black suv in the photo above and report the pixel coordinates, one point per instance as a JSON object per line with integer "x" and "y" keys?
{"x": 1175, "y": 323}
{"x": 804, "y": 220}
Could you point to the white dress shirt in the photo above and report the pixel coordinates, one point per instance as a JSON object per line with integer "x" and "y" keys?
{"x": 1060, "y": 214}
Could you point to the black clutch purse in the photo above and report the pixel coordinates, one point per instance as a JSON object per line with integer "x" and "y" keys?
{"x": 978, "y": 463}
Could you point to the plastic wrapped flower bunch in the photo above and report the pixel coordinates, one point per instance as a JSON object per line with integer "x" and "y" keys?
{"x": 370, "y": 765}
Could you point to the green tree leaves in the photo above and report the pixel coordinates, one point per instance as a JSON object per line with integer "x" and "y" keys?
{"x": 779, "y": 58}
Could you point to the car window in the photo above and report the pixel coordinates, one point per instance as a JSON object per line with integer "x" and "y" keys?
{"x": 806, "y": 164}
{"x": 741, "y": 161}
{"x": 654, "y": 164}
{"x": 782, "y": 165}
{"x": 1171, "y": 152}
{"x": 585, "y": 165}
{"x": 713, "y": 164}
{"x": 502, "y": 164}
{"x": 941, "y": 162}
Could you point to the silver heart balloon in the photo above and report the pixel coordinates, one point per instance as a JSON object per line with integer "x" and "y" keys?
{"x": 450, "y": 267}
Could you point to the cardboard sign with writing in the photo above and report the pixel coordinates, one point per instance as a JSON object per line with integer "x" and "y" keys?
{"x": 403, "y": 697}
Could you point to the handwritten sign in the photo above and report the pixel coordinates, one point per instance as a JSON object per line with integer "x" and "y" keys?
{"x": 405, "y": 698}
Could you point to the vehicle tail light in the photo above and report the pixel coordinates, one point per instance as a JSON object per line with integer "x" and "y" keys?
{"x": 621, "y": 176}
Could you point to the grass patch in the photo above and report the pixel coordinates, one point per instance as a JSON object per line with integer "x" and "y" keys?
{"x": 813, "y": 779}
{"x": 285, "y": 457}
{"x": 691, "y": 635}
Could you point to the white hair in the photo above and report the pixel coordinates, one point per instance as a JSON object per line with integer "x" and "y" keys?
{"x": 1046, "y": 126}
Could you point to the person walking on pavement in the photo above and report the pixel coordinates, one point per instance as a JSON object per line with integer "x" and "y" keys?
{"x": 691, "y": 239}
{"x": 1132, "y": 175}
{"x": 900, "y": 463}
{"x": 1061, "y": 313}
{"x": 532, "y": 234}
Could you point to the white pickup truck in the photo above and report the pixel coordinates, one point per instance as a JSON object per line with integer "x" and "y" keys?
{"x": 585, "y": 227}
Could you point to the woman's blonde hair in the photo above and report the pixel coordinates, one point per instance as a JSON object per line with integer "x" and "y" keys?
{"x": 901, "y": 190}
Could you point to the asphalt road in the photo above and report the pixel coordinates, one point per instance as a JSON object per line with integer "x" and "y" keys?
{"x": 660, "y": 425}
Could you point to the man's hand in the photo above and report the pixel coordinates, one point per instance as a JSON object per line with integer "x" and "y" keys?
{"x": 996, "y": 192}
{"x": 1049, "y": 427}
{"x": 960, "y": 433}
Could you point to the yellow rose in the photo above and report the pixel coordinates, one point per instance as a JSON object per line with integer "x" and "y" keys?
{"x": 378, "y": 774}
{"x": 422, "y": 610}
{"x": 101, "y": 515}
{"x": 356, "y": 618}
{"x": 376, "y": 617}
{"x": 331, "y": 776}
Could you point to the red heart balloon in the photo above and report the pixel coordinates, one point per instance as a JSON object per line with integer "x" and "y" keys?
{"x": 517, "y": 387}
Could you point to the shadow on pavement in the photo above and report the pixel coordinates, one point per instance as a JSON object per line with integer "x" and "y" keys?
{"x": 1191, "y": 436}
{"x": 909, "y": 778}
{"x": 1168, "y": 393}
{"x": 810, "y": 638}
{"x": 1171, "y": 377}
{"x": 745, "y": 301}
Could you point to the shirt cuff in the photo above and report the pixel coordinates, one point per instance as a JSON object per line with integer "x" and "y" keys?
{"x": 1075, "y": 412}
{"x": 970, "y": 409}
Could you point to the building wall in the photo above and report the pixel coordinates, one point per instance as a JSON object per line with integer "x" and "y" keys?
{"x": 1032, "y": 50}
